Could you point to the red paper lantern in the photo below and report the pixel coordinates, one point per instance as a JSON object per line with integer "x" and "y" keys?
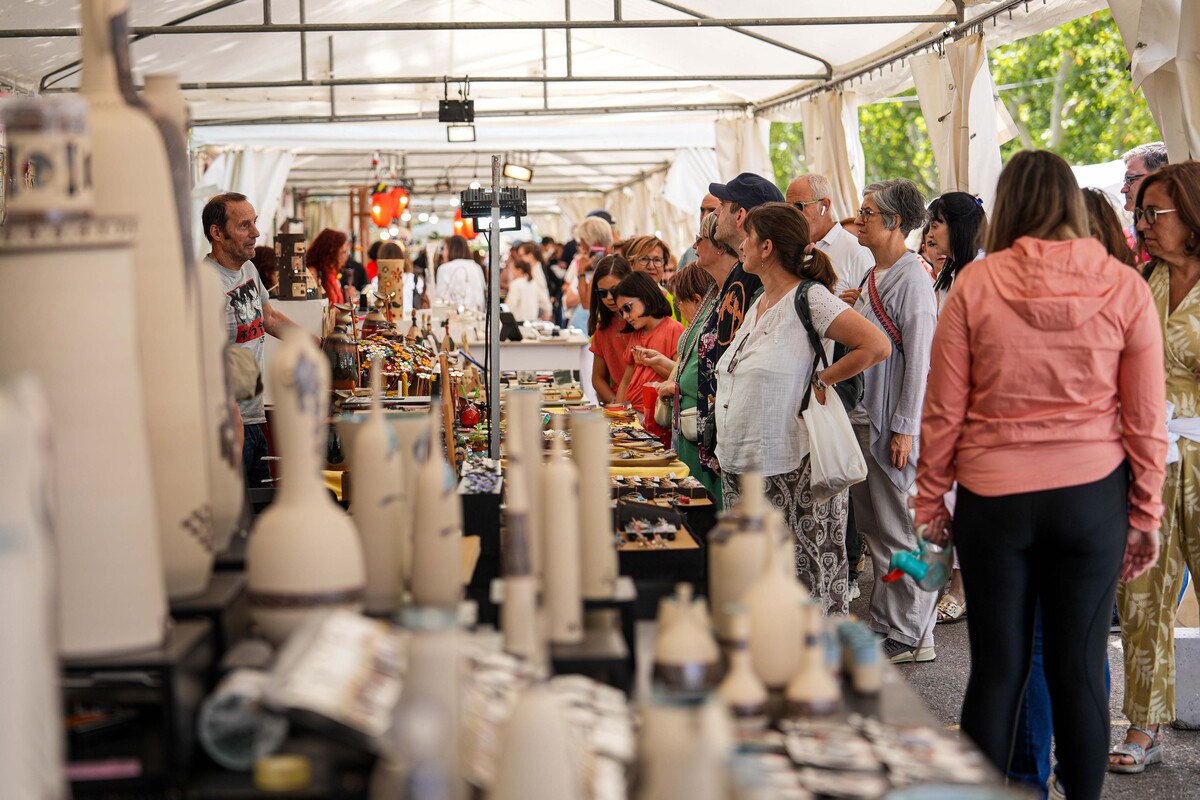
{"x": 399, "y": 197}
{"x": 382, "y": 209}
{"x": 463, "y": 227}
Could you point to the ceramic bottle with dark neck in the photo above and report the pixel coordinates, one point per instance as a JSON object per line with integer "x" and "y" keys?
{"x": 737, "y": 551}
{"x": 777, "y": 622}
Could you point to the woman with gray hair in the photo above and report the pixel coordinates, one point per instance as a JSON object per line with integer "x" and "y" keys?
{"x": 897, "y": 297}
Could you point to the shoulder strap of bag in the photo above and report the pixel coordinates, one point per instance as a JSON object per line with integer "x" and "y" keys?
{"x": 881, "y": 314}
{"x": 805, "y": 314}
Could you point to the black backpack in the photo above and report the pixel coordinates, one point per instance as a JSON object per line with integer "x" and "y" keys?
{"x": 849, "y": 390}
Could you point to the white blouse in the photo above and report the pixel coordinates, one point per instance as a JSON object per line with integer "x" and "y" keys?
{"x": 762, "y": 380}
{"x": 527, "y": 300}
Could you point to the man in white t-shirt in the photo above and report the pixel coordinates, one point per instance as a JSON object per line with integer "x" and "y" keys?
{"x": 229, "y": 225}
{"x": 811, "y": 194}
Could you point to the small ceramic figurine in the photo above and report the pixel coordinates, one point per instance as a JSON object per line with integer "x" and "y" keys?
{"x": 742, "y": 690}
{"x": 687, "y": 660}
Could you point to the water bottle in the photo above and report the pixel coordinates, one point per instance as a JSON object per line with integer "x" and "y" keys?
{"x": 928, "y": 565}
{"x": 235, "y": 729}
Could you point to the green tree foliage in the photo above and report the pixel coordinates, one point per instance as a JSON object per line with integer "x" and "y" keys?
{"x": 1068, "y": 90}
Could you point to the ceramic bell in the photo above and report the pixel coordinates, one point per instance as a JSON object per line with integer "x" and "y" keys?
{"x": 687, "y": 660}
{"x": 742, "y": 690}
{"x": 124, "y": 134}
{"x": 437, "y": 533}
{"x": 589, "y": 442}
{"x": 375, "y": 480}
{"x": 560, "y": 510}
{"x": 111, "y": 597}
{"x": 777, "y": 625}
{"x": 737, "y": 551}
{"x": 813, "y": 692}
{"x": 537, "y": 759}
{"x": 519, "y": 615}
{"x": 304, "y": 556}
{"x": 31, "y": 730}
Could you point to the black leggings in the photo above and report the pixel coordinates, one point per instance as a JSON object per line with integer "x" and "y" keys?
{"x": 1062, "y": 547}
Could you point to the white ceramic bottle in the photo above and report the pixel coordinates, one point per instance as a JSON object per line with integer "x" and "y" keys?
{"x": 737, "y": 551}
{"x": 589, "y": 442}
{"x": 375, "y": 479}
{"x": 520, "y": 619}
{"x": 776, "y": 616}
{"x": 304, "y": 555}
{"x": 687, "y": 660}
{"x": 111, "y": 593}
{"x": 743, "y": 691}
{"x": 813, "y": 692}
{"x": 132, "y": 176}
{"x": 31, "y": 738}
{"x": 538, "y": 760}
{"x": 560, "y": 515}
{"x": 684, "y": 751}
{"x": 224, "y": 461}
{"x": 409, "y": 428}
{"x": 437, "y": 533}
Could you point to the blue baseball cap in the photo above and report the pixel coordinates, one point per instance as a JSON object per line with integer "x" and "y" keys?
{"x": 747, "y": 190}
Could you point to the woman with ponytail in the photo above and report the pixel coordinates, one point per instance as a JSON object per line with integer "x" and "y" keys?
{"x": 957, "y": 224}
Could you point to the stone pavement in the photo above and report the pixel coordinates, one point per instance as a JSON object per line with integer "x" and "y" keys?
{"x": 943, "y": 682}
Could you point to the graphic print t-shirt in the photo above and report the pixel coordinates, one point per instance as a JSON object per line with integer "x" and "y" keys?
{"x": 244, "y": 295}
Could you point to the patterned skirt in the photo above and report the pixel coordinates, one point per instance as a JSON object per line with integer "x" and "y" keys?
{"x": 819, "y": 530}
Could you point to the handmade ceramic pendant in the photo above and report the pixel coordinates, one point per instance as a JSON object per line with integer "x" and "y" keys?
{"x": 124, "y": 134}
{"x": 813, "y": 692}
{"x": 111, "y": 593}
{"x": 687, "y": 660}
{"x": 742, "y": 691}
{"x": 519, "y": 616}
{"x": 737, "y": 551}
{"x": 304, "y": 556}
{"x": 776, "y": 615}
{"x": 31, "y": 731}
{"x": 375, "y": 481}
{"x": 560, "y": 492}
{"x": 437, "y": 533}
{"x": 538, "y": 760}
{"x": 589, "y": 442}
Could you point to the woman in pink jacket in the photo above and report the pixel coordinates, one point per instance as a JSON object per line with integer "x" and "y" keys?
{"x": 1045, "y": 403}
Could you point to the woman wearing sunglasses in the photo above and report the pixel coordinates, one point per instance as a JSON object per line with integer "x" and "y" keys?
{"x": 1168, "y": 225}
{"x": 610, "y": 345}
{"x": 648, "y": 322}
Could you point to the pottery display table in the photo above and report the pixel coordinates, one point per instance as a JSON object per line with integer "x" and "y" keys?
{"x": 552, "y": 352}
{"x": 224, "y": 604}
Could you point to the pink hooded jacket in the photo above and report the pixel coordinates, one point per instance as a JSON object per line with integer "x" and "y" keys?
{"x": 1047, "y": 371}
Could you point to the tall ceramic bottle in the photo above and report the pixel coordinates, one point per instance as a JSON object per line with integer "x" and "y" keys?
{"x": 560, "y": 510}
{"x": 208, "y": 301}
{"x": 111, "y": 593}
{"x": 31, "y": 746}
{"x": 409, "y": 429}
{"x": 304, "y": 555}
{"x": 531, "y": 442}
{"x": 737, "y": 551}
{"x": 742, "y": 691}
{"x": 133, "y": 177}
{"x": 519, "y": 616}
{"x": 777, "y": 624}
{"x": 375, "y": 480}
{"x": 537, "y": 759}
{"x": 813, "y": 692}
{"x": 589, "y": 441}
{"x": 437, "y": 533}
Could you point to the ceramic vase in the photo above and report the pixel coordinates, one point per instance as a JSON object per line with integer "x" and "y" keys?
{"x": 813, "y": 692}
{"x": 684, "y": 751}
{"x": 530, "y": 431}
{"x": 304, "y": 556}
{"x": 408, "y": 427}
{"x": 224, "y": 460}
{"x": 589, "y": 442}
{"x": 31, "y": 732}
{"x": 537, "y": 758}
{"x": 777, "y": 625}
{"x": 437, "y": 532}
{"x": 375, "y": 490}
{"x": 519, "y": 616}
{"x": 342, "y": 352}
{"x": 742, "y": 691}
{"x": 687, "y": 660}
{"x": 737, "y": 551}
{"x": 111, "y": 593}
{"x": 133, "y": 176}
{"x": 560, "y": 511}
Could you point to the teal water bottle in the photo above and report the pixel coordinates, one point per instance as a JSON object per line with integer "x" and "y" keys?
{"x": 928, "y": 565}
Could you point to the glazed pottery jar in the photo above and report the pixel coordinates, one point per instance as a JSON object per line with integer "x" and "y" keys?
{"x": 375, "y": 480}
{"x": 737, "y": 551}
{"x": 437, "y": 533}
{"x": 519, "y": 615}
{"x": 687, "y": 660}
{"x": 31, "y": 731}
{"x": 111, "y": 595}
{"x": 538, "y": 760}
{"x": 813, "y": 692}
{"x": 560, "y": 493}
{"x": 742, "y": 691}
{"x": 774, "y": 602}
{"x": 164, "y": 313}
{"x": 375, "y": 321}
{"x": 589, "y": 441}
{"x": 342, "y": 354}
{"x": 304, "y": 556}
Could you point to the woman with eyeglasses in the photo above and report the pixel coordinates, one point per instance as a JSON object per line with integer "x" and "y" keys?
{"x": 648, "y": 323}
{"x": 1168, "y": 226}
{"x": 610, "y": 345}
{"x": 897, "y": 297}
{"x": 1045, "y": 404}
{"x": 650, "y": 255}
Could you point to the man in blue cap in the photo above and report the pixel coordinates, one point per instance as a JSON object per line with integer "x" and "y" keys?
{"x": 736, "y": 198}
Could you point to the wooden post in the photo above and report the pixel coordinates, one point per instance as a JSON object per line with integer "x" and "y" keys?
{"x": 448, "y": 411}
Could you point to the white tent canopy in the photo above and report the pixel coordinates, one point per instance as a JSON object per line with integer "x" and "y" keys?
{"x": 598, "y": 96}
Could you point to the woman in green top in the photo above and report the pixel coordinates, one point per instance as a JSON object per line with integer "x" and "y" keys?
{"x": 696, "y": 292}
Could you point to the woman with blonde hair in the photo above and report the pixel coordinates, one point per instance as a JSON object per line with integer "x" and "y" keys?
{"x": 594, "y": 238}
{"x": 650, "y": 255}
{"x": 1045, "y": 404}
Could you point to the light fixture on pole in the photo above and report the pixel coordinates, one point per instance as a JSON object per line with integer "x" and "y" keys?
{"x": 518, "y": 172}
{"x": 459, "y": 114}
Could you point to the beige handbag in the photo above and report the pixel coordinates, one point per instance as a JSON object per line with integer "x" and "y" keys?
{"x": 664, "y": 407}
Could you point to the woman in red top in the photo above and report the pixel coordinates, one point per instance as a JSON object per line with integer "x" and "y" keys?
{"x": 609, "y": 344}
{"x": 326, "y": 257}
{"x": 1046, "y": 403}
{"x": 647, "y": 315}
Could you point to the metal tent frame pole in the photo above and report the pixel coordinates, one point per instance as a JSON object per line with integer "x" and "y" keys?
{"x": 493, "y": 326}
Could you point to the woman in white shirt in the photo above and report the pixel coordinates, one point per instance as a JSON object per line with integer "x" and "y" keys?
{"x": 526, "y": 299}
{"x": 460, "y": 281}
{"x": 762, "y": 381}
